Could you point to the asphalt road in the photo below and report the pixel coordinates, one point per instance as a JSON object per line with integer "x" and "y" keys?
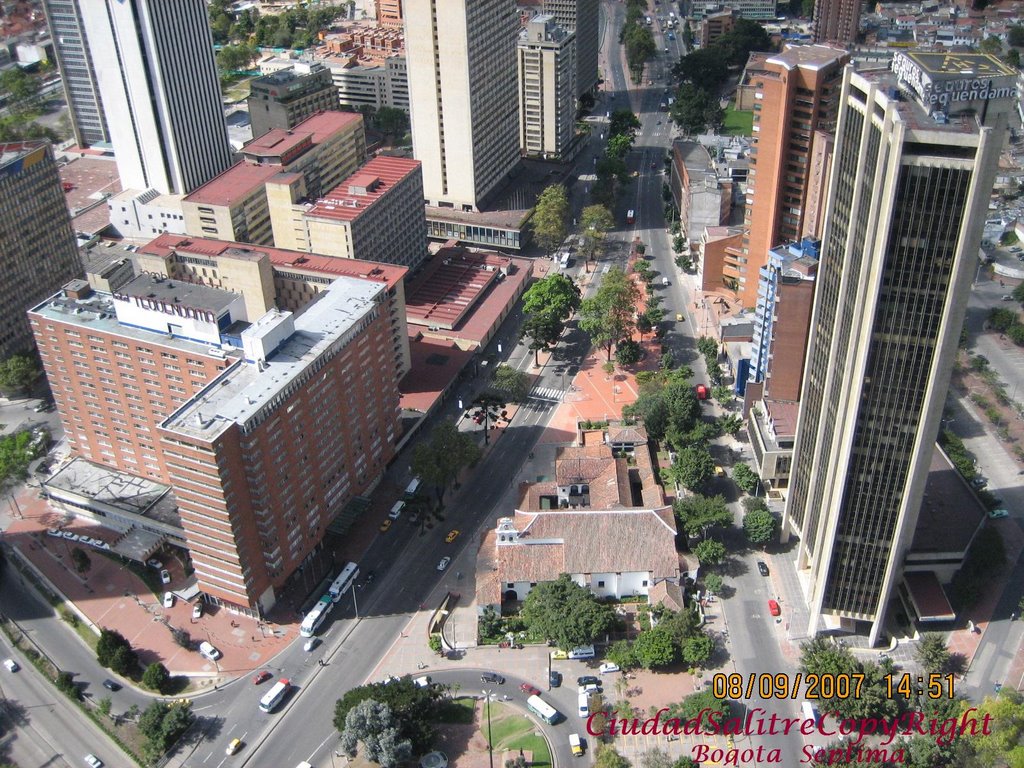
{"x": 41, "y": 727}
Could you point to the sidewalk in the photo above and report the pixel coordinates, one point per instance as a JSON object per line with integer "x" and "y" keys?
{"x": 111, "y": 596}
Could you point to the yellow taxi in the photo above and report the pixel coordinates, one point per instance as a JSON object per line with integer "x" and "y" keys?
{"x": 452, "y": 536}
{"x": 233, "y": 746}
{"x": 385, "y": 526}
{"x": 679, "y": 317}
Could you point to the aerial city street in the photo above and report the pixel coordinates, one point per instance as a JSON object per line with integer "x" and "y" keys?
{"x": 528, "y": 384}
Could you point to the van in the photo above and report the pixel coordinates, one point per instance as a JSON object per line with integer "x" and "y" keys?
{"x": 584, "y": 701}
{"x": 575, "y": 744}
{"x": 492, "y": 677}
{"x": 412, "y": 488}
{"x": 396, "y": 511}
{"x": 423, "y": 682}
{"x": 583, "y": 652}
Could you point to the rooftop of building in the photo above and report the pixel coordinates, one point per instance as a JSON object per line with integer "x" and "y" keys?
{"x": 116, "y": 489}
{"x": 695, "y": 156}
{"x": 353, "y": 196}
{"x": 89, "y": 181}
{"x": 975, "y": 64}
{"x": 177, "y": 293}
{"x": 13, "y": 151}
{"x": 782, "y": 415}
{"x": 243, "y": 390}
{"x": 239, "y": 181}
{"x": 514, "y": 218}
{"x": 300, "y": 70}
{"x": 811, "y": 57}
{"x": 99, "y": 256}
{"x": 167, "y": 244}
{"x": 96, "y": 311}
{"x": 450, "y": 285}
{"x": 950, "y": 512}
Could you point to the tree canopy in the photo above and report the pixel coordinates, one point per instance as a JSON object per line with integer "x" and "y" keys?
{"x": 513, "y": 381}
{"x": 759, "y": 526}
{"x": 414, "y": 709}
{"x": 566, "y": 613}
{"x": 550, "y": 220}
{"x": 439, "y": 460}
{"x": 693, "y": 467}
{"x": 595, "y": 223}
{"x": 610, "y": 315}
{"x": 373, "y": 725}
{"x": 709, "y": 552}
{"x": 697, "y": 514}
{"x": 547, "y": 304}
{"x": 18, "y": 372}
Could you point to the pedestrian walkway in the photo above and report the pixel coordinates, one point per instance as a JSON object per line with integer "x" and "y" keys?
{"x": 548, "y": 394}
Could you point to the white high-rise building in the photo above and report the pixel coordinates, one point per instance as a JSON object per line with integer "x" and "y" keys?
{"x": 462, "y": 97}
{"x": 546, "y": 55}
{"x": 158, "y": 85}
{"x": 582, "y": 18}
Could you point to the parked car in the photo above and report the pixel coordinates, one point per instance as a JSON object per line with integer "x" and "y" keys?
{"x": 55, "y": 532}
{"x": 492, "y": 677}
{"x": 762, "y": 567}
{"x": 588, "y": 680}
{"x": 165, "y": 576}
{"x": 12, "y": 665}
{"x": 979, "y": 482}
{"x": 444, "y": 563}
{"x": 233, "y": 746}
{"x": 590, "y": 688}
{"x": 529, "y": 690}
{"x": 111, "y": 685}
{"x": 208, "y": 651}
{"x": 154, "y": 563}
{"x": 69, "y": 535}
{"x": 773, "y": 608}
{"x": 554, "y": 679}
{"x": 261, "y": 677}
{"x": 996, "y": 514}
{"x": 197, "y": 611}
{"x": 452, "y": 536}
{"x": 608, "y": 667}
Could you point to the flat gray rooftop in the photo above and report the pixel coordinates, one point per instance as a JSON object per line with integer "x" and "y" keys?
{"x": 170, "y": 291}
{"x": 111, "y": 487}
{"x": 243, "y": 390}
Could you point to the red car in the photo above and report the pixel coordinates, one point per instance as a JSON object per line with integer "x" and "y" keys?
{"x": 259, "y": 677}
{"x": 529, "y": 690}
{"x": 773, "y": 608}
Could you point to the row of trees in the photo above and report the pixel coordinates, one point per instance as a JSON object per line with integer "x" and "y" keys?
{"x": 114, "y": 651}
{"x": 294, "y": 28}
{"x": 703, "y": 73}
{"x": 677, "y": 636}
{"x": 439, "y": 460}
{"x": 637, "y": 38}
{"x": 609, "y": 316}
{"x": 610, "y": 168}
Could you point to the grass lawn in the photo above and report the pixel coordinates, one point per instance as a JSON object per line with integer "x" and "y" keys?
{"x": 531, "y": 742}
{"x": 512, "y": 732}
{"x": 458, "y": 711}
{"x": 738, "y": 123}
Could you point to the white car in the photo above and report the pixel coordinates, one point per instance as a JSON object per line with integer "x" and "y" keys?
{"x": 444, "y": 563}
{"x": 310, "y": 644}
{"x": 197, "y": 611}
{"x": 55, "y": 532}
{"x": 168, "y": 599}
{"x": 165, "y": 577}
{"x": 93, "y": 762}
{"x": 69, "y": 535}
{"x": 207, "y": 651}
{"x": 609, "y": 667}
{"x": 12, "y": 665}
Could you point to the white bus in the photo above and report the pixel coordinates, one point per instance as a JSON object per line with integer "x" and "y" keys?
{"x": 312, "y": 621}
{"x": 344, "y": 581}
{"x": 543, "y": 710}
{"x": 272, "y": 698}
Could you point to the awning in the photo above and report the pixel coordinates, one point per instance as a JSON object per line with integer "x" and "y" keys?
{"x": 927, "y": 596}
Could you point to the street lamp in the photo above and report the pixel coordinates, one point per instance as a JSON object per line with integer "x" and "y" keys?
{"x": 490, "y": 744}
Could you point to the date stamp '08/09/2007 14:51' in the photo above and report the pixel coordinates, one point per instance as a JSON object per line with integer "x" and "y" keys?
{"x": 827, "y": 686}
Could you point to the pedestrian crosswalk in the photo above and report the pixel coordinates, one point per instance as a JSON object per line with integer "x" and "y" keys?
{"x": 550, "y": 394}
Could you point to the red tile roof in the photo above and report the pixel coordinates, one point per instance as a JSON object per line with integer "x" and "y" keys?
{"x": 233, "y": 185}
{"x": 279, "y": 257}
{"x": 361, "y": 190}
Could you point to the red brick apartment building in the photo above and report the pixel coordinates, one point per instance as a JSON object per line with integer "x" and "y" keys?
{"x": 265, "y": 428}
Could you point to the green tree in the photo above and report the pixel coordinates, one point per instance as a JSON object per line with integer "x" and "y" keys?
{"x": 698, "y": 650}
{"x": 21, "y": 88}
{"x": 80, "y": 560}
{"x": 628, "y": 352}
{"x": 415, "y": 709}
{"x": 1018, "y": 293}
{"x": 439, "y": 460}
{"x": 692, "y": 468}
{"x": 730, "y": 424}
{"x": 690, "y": 707}
{"x": 1015, "y": 36}
{"x": 619, "y": 146}
{"x": 654, "y": 648}
{"x": 156, "y": 677}
{"x": 681, "y": 624}
{"x": 65, "y": 683}
{"x": 759, "y": 527}
{"x": 621, "y": 652}
{"x": 1012, "y": 57}
{"x": 932, "y": 653}
{"x": 745, "y": 478}
{"x": 489, "y": 624}
{"x": 607, "y": 757}
{"x": 723, "y": 395}
{"x": 1004, "y": 746}
{"x": 655, "y": 758}
{"x": 162, "y": 725}
{"x": 543, "y": 329}
{"x": 706, "y": 69}
{"x": 514, "y": 382}
{"x": 18, "y": 372}
{"x": 235, "y": 58}
{"x": 595, "y": 223}
{"x": 610, "y": 315}
{"x": 623, "y": 122}
{"x": 1000, "y": 319}
{"x": 699, "y": 514}
{"x": 643, "y": 325}
{"x": 692, "y": 109}
{"x": 550, "y": 218}
{"x": 124, "y": 661}
{"x": 392, "y": 121}
{"x": 547, "y": 305}
{"x": 714, "y": 583}
{"x": 992, "y": 45}
{"x": 567, "y": 613}
{"x": 373, "y": 725}
{"x": 109, "y": 642}
{"x": 1016, "y": 334}
{"x": 709, "y": 552}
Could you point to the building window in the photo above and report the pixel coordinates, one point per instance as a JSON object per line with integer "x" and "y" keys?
{"x": 600, "y": 584}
